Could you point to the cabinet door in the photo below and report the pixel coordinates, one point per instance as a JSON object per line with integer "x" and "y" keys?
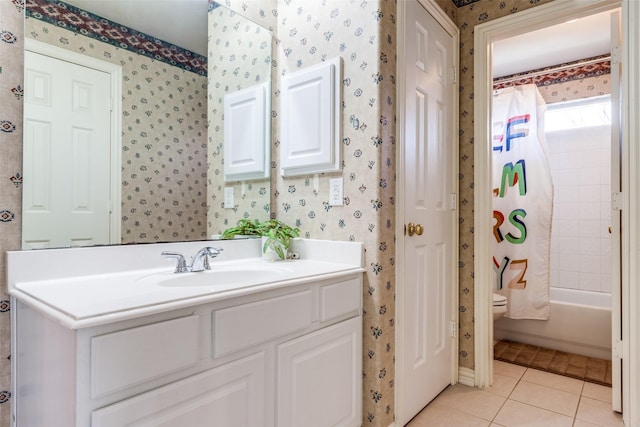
{"x": 230, "y": 395}
{"x": 319, "y": 381}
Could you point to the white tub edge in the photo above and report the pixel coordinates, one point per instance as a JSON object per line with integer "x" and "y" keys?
{"x": 575, "y": 328}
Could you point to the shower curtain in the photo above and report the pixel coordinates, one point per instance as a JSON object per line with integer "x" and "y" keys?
{"x": 522, "y": 202}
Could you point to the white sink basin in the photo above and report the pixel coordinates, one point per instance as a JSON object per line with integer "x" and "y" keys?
{"x": 222, "y": 276}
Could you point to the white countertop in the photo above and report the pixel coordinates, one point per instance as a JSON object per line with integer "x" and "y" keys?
{"x": 89, "y": 296}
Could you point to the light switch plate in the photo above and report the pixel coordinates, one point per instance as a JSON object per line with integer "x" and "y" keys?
{"x": 229, "y": 201}
{"x": 336, "y": 197}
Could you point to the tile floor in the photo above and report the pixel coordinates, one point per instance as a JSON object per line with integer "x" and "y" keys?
{"x": 521, "y": 397}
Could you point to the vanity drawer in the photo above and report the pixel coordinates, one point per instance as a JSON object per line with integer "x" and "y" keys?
{"x": 125, "y": 358}
{"x": 229, "y": 395}
{"x": 339, "y": 299}
{"x": 247, "y": 325}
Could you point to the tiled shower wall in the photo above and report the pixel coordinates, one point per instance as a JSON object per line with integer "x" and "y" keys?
{"x": 580, "y": 164}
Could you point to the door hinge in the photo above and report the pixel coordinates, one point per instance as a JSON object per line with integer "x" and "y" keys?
{"x": 453, "y": 332}
{"x": 617, "y": 350}
{"x": 616, "y": 54}
{"x": 453, "y": 201}
{"x": 454, "y": 75}
{"x": 616, "y": 201}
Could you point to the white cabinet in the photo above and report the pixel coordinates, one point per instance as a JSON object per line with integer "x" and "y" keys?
{"x": 316, "y": 386}
{"x": 230, "y": 395}
{"x": 289, "y": 356}
{"x": 121, "y": 359}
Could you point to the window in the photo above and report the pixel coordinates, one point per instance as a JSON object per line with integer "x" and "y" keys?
{"x": 582, "y": 113}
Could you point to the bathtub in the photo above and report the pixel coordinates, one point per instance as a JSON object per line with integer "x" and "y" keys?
{"x": 580, "y": 322}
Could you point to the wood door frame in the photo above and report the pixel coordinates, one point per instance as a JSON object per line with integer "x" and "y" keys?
{"x": 530, "y": 20}
{"x": 115, "y": 71}
{"x": 451, "y": 28}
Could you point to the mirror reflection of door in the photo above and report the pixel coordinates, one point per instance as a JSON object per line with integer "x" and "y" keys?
{"x": 67, "y": 154}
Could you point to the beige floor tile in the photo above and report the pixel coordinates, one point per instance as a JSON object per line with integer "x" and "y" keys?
{"x": 598, "y": 412}
{"x": 581, "y": 423}
{"x": 559, "y": 382}
{"x": 598, "y": 392}
{"x": 546, "y": 398}
{"x": 516, "y": 414}
{"x": 470, "y": 400}
{"x": 508, "y": 369}
{"x": 502, "y": 385}
{"x": 442, "y": 416}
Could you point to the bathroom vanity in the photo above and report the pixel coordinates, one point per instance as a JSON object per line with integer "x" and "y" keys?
{"x": 111, "y": 336}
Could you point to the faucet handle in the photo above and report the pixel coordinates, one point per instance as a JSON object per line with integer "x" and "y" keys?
{"x": 181, "y": 267}
{"x": 201, "y": 259}
{"x": 213, "y": 252}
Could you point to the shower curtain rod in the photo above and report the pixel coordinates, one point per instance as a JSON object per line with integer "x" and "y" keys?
{"x": 534, "y": 74}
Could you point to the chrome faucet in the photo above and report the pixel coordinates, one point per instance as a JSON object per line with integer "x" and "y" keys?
{"x": 199, "y": 262}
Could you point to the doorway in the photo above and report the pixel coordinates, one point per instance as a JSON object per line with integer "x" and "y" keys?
{"x": 486, "y": 35}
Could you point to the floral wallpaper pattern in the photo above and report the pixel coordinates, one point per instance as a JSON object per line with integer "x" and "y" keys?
{"x": 363, "y": 33}
{"x": 11, "y": 89}
{"x": 578, "y": 79}
{"x": 240, "y": 53}
{"x": 577, "y": 89}
{"x": 164, "y": 123}
{"x": 470, "y": 15}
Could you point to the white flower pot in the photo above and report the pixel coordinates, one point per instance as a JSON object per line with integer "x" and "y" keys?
{"x": 270, "y": 253}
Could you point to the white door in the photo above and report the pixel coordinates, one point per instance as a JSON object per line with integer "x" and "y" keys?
{"x": 429, "y": 206}
{"x": 67, "y": 117}
{"x": 616, "y": 219}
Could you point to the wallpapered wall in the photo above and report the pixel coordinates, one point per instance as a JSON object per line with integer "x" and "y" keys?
{"x": 239, "y": 57}
{"x": 164, "y": 122}
{"x": 11, "y": 64}
{"x": 568, "y": 81}
{"x": 363, "y": 33}
{"x": 468, "y": 17}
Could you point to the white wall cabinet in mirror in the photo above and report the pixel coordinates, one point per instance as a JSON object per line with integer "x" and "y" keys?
{"x": 310, "y": 124}
{"x": 247, "y": 132}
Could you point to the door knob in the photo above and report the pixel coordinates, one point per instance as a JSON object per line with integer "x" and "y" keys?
{"x": 414, "y": 229}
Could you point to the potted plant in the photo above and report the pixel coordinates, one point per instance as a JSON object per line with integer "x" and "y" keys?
{"x": 244, "y": 227}
{"x": 276, "y": 239}
{"x": 276, "y": 235}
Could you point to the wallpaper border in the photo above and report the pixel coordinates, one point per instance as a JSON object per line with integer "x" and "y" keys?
{"x": 576, "y": 70}
{"x": 461, "y": 3}
{"x": 69, "y": 17}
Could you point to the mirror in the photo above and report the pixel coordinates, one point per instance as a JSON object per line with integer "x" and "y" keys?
{"x": 239, "y": 63}
{"x": 169, "y": 189}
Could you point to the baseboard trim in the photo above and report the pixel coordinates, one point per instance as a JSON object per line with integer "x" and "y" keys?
{"x": 466, "y": 376}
